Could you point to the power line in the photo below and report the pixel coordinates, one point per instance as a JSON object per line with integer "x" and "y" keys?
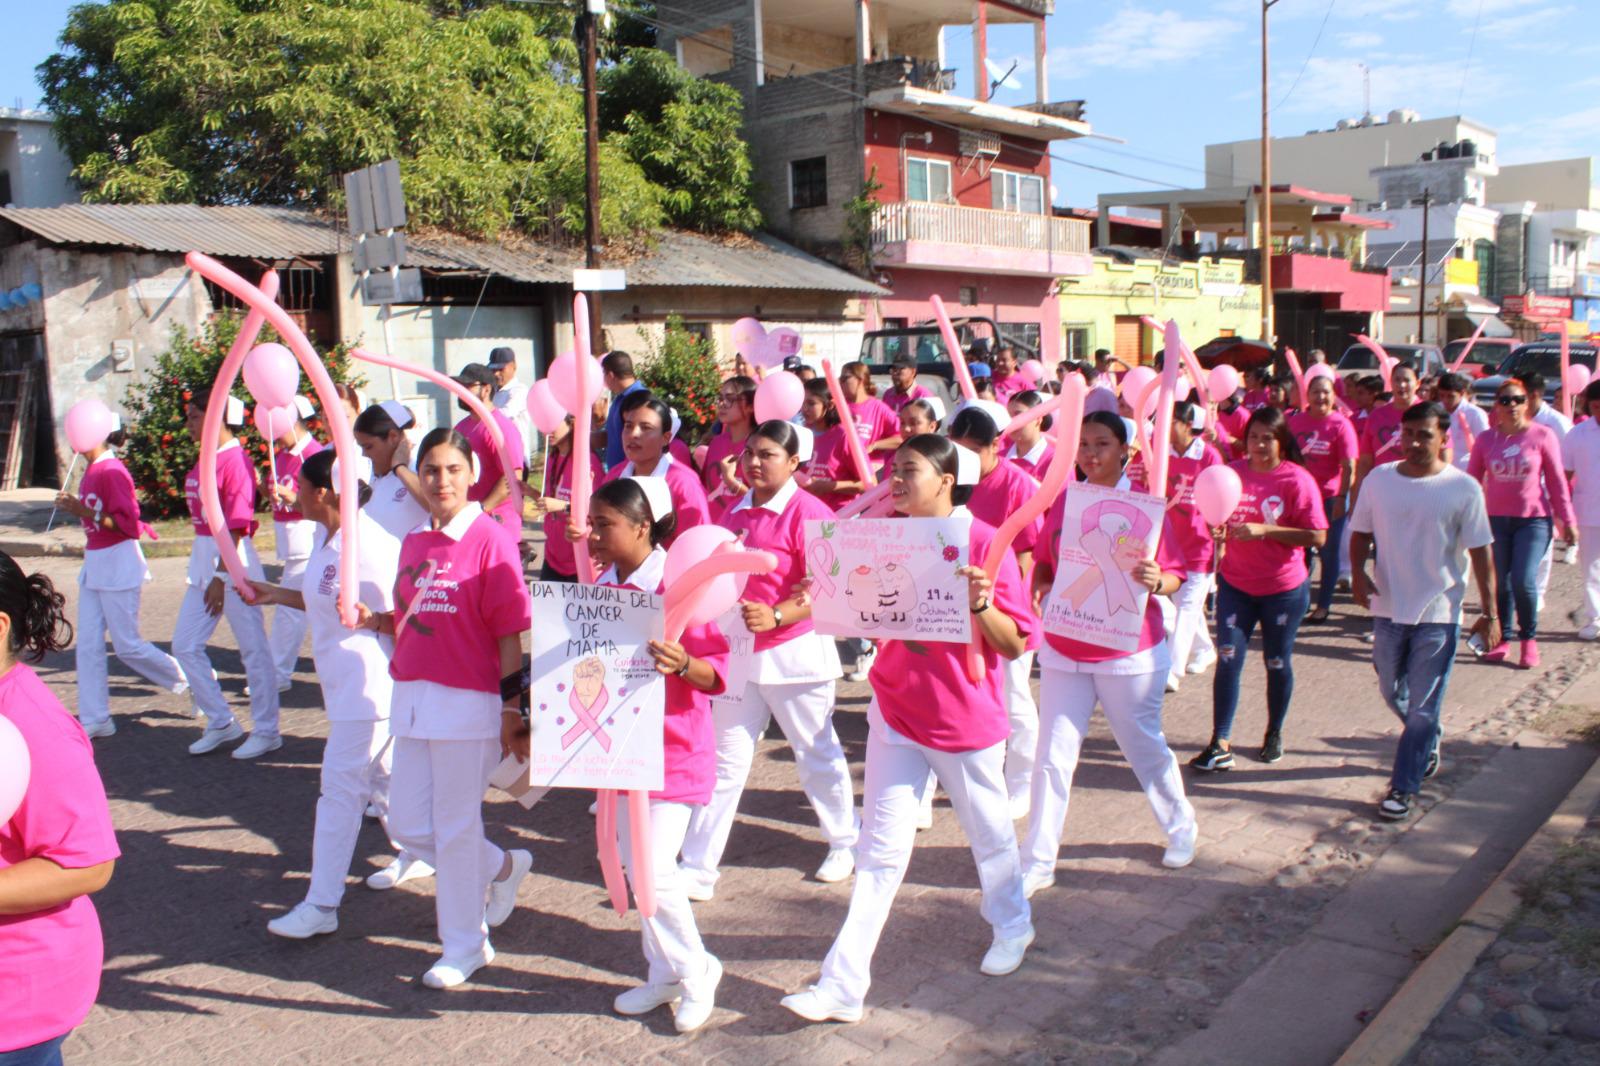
{"x": 1314, "y": 43}
{"x": 1472, "y": 43}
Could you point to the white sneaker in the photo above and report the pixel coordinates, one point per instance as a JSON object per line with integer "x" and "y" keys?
{"x": 694, "y": 1010}
{"x": 863, "y": 665}
{"x": 452, "y": 973}
{"x": 1032, "y": 883}
{"x": 1202, "y": 664}
{"x": 107, "y": 728}
{"x": 283, "y": 686}
{"x": 1180, "y": 850}
{"x": 258, "y": 744}
{"x": 404, "y": 868}
{"x": 1588, "y": 632}
{"x": 1020, "y": 806}
{"x": 1005, "y": 954}
{"x": 304, "y": 922}
{"x": 646, "y": 998}
{"x": 814, "y": 1006}
{"x": 503, "y": 894}
{"x": 839, "y": 865}
{"x": 212, "y": 739}
{"x": 1172, "y": 683}
{"x": 372, "y": 811}
{"x": 699, "y": 891}
{"x": 924, "y": 818}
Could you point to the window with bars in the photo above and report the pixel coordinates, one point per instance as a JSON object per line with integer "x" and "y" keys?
{"x": 808, "y": 182}
{"x": 1075, "y": 343}
{"x": 1017, "y": 192}
{"x": 928, "y": 180}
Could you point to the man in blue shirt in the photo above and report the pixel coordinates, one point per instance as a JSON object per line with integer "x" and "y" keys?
{"x": 617, "y": 373}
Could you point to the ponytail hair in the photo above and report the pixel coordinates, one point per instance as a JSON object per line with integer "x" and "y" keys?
{"x": 318, "y": 472}
{"x": 37, "y": 612}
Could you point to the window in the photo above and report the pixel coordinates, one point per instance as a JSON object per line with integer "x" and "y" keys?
{"x": 808, "y": 182}
{"x": 928, "y": 180}
{"x": 1563, "y": 253}
{"x": 1024, "y": 335}
{"x": 1017, "y": 192}
{"x": 700, "y": 331}
{"x": 967, "y": 296}
{"x": 1076, "y": 347}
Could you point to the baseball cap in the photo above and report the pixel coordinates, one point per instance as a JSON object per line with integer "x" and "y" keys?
{"x": 474, "y": 374}
{"x": 502, "y": 356}
{"x": 979, "y": 370}
{"x": 792, "y": 363}
{"x": 905, "y": 362}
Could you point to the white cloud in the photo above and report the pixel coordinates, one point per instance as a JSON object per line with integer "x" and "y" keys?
{"x": 1332, "y": 88}
{"x": 1359, "y": 42}
{"x": 1470, "y": 8}
{"x": 1516, "y": 30}
{"x": 1553, "y": 137}
{"x": 1138, "y": 38}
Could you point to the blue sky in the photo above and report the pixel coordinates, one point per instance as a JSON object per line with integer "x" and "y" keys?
{"x": 1170, "y": 76}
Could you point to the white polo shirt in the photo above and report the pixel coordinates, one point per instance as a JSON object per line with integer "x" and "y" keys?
{"x": 352, "y": 664}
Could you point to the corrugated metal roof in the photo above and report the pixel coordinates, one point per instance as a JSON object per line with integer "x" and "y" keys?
{"x": 677, "y": 258}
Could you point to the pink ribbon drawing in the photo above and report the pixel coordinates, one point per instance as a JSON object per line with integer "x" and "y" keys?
{"x": 1101, "y": 544}
{"x": 588, "y": 720}
{"x": 822, "y": 561}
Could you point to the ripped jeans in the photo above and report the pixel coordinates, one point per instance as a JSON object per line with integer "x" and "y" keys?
{"x": 1238, "y": 614}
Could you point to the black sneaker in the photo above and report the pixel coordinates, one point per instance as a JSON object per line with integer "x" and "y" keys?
{"x": 1214, "y": 759}
{"x": 1396, "y": 806}
{"x": 1433, "y": 762}
{"x": 1272, "y": 747}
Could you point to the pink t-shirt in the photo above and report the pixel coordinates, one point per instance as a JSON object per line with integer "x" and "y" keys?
{"x": 680, "y": 451}
{"x": 558, "y": 469}
{"x": 1194, "y": 537}
{"x": 50, "y": 960}
{"x": 922, "y": 688}
{"x": 688, "y": 498}
{"x": 1254, "y": 400}
{"x": 1233, "y": 424}
{"x": 107, "y": 489}
{"x": 1009, "y": 386}
{"x": 1034, "y": 468}
{"x": 999, "y": 494}
{"x": 1327, "y": 444}
{"x": 1521, "y": 474}
{"x": 236, "y": 489}
{"x": 874, "y": 420}
{"x": 717, "y": 496}
{"x": 831, "y": 461}
{"x": 1380, "y": 435}
{"x": 894, "y": 399}
{"x": 1153, "y": 630}
{"x": 489, "y": 469}
{"x": 1285, "y": 496}
{"x": 784, "y": 535}
{"x": 475, "y": 595}
{"x": 286, "y": 470}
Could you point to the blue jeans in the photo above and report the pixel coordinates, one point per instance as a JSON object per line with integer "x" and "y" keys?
{"x": 1238, "y": 614}
{"x": 1413, "y": 664}
{"x": 1519, "y": 545}
{"x": 45, "y": 1054}
{"x": 1329, "y": 554}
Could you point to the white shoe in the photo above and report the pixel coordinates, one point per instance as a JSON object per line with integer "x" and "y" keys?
{"x": 924, "y": 818}
{"x": 694, "y": 1010}
{"x": 1020, "y": 806}
{"x": 863, "y": 665}
{"x": 699, "y": 892}
{"x": 372, "y": 811}
{"x": 452, "y": 973}
{"x": 646, "y": 998}
{"x": 404, "y": 868}
{"x": 283, "y": 686}
{"x": 503, "y": 894}
{"x": 839, "y": 865}
{"x": 1202, "y": 664}
{"x": 1032, "y": 883}
{"x": 1172, "y": 683}
{"x": 304, "y": 922}
{"x": 1180, "y": 850}
{"x": 107, "y": 728}
{"x": 258, "y": 744}
{"x": 1005, "y": 954}
{"x": 1588, "y": 632}
{"x": 212, "y": 739}
{"x": 813, "y": 1006}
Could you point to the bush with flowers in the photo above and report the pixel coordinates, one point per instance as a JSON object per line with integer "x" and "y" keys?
{"x": 681, "y": 368}
{"x": 159, "y": 451}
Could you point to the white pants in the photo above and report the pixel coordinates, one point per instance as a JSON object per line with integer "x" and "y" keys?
{"x": 1132, "y": 706}
{"x": 436, "y": 814}
{"x": 1589, "y": 560}
{"x": 115, "y": 613}
{"x": 1024, "y": 715}
{"x": 194, "y": 627}
{"x": 355, "y": 770}
{"x": 897, "y": 776}
{"x": 672, "y": 944}
{"x": 1544, "y": 568}
{"x": 805, "y": 713}
{"x": 1191, "y": 638}
{"x": 288, "y": 624}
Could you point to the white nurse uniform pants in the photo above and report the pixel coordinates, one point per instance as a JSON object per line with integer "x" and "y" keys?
{"x": 103, "y": 612}
{"x": 1023, "y": 713}
{"x": 194, "y": 628}
{"x": 896, "y": 777}
{"x": 672, "y": 944}
{"x": 1191, "y": 639}
{"x": 355, "y": 770}
{"x": 289, "y": 624}
{"x": 1589, "y": 562}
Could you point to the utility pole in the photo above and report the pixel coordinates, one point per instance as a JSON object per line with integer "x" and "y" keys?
{"x": 1422, "y": 290}
{"x": 1267, "y": 324}
{"x": 588, "y": 32}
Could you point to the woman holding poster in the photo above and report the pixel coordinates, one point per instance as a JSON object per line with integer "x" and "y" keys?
{"x": 646, "y": 426}
{"x": 460, "y": 609}
{"x": 1263, "y": 580}
{"x": 1075, "y": 674}
{"x": 791, "y": 676}
{"x": 928, "y": 714}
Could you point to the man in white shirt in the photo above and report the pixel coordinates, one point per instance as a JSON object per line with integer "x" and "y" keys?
{"x": 511, "y": 397}
{"x": 1467, "y": 420}
{"x": 1415, "y": 595}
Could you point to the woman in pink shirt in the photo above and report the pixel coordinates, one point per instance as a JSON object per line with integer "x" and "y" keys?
{"x": 876, "y": 424}
{"x": 1128, "y": 686}
{"x": 921, "y": 415}
{"x": 646, "y": 419}
{"x": 109, "y": 585}
{"x": 560, "y": 561}
{"x": 1263, "y": 580}
{"x": 211, "y": 596}
{"x": 1030, "y": 450}
{"x": 1328, "y": 443}
{"x": 791, "y": 676}
{"x": 719, "y": 471}
{"x": 1380, "y": 434}
{"x": 1518, "y": 462}
{"x": 830, "y": 475}
{"x": 57, "y": 849}
{"x": 1192, "y": 649}
{"x": 460, "y": 609}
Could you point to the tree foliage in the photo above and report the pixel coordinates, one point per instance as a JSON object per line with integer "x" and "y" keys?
{"x": 270, "y": 101}
{"x": 681, "y": 368}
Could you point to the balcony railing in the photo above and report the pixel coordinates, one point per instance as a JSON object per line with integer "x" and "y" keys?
{"x": 975, "y": 226}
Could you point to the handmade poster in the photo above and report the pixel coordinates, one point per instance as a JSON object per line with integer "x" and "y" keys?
{"x": 892, "y": 578}
{"x": 1105, "y": 532}
{"x": 597, "y": 701}
{"x": 741, "y": 651}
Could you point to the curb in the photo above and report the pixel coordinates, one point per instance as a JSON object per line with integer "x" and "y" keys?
{"x": 1391, "y": 1035}
{"x": 33, "y": 548}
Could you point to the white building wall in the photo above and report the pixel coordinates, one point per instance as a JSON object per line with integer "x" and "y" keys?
{"x": 40, "y": 172}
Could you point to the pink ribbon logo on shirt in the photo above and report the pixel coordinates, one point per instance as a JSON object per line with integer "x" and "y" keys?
{"x": 824, "y": 564}
{"x": 588, "y": 699}
{"x": 423, "y": 582}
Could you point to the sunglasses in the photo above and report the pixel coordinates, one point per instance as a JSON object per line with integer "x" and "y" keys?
{"x": 1510, "y": 401}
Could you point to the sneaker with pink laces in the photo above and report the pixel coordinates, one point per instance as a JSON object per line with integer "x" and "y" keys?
{"x": 1528, "y": 654}
{"x": 1498, "y": 653}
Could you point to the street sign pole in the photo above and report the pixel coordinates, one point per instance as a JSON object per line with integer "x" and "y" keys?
{"x": 588, "y": 26}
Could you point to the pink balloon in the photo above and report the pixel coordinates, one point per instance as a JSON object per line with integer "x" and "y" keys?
{"x": 1033, "y": 370}
{"x": 271, "y": 374}
{"x": 1222, "y": 382}
{"x": 565, "y": 385}
{"x": 543, "y": 408}
{"x": 16, "y": 766}
{"x": 779, "y": 345}
{"x": 695, "y": 545}
{"x": 1578, "y": 377}
{"x": 748, "y": 336}
{"x": 1134, "y": 381}
{"x": 274, "y": 422}
{"x": 779, "y": 397}
{"x": 1216, "y": 494}
{"x": 88, "y": 423}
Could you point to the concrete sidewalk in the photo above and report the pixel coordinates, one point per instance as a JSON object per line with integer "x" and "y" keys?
{"x": 24, "y": 513}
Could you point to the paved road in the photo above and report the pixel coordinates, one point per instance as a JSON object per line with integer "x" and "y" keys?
{"x": 213, "y": 848}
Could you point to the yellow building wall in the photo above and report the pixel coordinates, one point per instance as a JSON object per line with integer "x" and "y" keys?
{"x": 1207, "y": 299}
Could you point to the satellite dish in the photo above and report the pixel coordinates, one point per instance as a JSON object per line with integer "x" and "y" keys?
{"x": 1000, "y": 77}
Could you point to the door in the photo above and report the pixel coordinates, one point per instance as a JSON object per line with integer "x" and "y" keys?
{"x": 1127, "y": 339}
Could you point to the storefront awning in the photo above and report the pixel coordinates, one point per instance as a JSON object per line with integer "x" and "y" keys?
{"x": 1492, "y": 326}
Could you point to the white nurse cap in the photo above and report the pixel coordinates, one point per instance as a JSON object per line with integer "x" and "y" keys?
{"x": 806, "y": 443}
{"x": 656, "y": 494}
{"x": 968, "y": 469}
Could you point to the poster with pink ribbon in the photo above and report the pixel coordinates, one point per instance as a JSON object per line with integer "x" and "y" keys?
{"x": 1104, "y": 534}
{"x": 892, "y": 578}
{"x": 597, "y": 701}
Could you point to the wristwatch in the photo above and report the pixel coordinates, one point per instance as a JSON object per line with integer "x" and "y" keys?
{"x": 777, "y": 618}
{"x": 683, "y": 671}
{"x": 980, "y": 610}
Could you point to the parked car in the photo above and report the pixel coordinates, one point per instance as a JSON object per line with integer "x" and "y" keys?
{"x": 923, "y": 342}
{"x": 1485, "y": 356}
{"x": 1358, "y": 359}
{"x": 1241, "y": 353}
{"x": 1539, "y": 357}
